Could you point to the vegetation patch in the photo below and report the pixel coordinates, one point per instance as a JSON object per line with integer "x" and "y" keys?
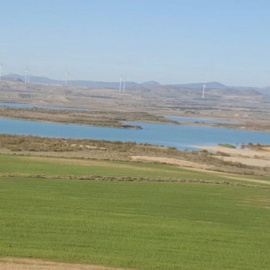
{"x": 227, "y": 145}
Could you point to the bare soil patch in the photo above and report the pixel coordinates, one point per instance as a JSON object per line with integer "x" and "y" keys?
{"x": 250, "y": 157}
{"x": 34, "y": 264}
{"x": 172, "y": 161}
{"x": 240, "y": 152}
{"x": 248, "y": 161}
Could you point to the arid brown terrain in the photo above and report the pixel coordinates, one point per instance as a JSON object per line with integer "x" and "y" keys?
{"x": 108, "y": 107}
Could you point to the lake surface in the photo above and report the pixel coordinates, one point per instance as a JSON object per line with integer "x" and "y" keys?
{"x": 181, "y": 137}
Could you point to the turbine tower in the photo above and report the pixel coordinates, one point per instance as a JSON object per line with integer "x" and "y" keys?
{"x": 203, "y": 91}
{"x": 26, "y": 76}
{"x": 1, "y": 68}
{"x": 120, "y": 84}
{"x": 66, "y": 78}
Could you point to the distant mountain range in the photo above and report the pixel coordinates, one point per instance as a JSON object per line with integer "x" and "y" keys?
{"x": 218, "y": 87}
{"x": 90, "y": 84}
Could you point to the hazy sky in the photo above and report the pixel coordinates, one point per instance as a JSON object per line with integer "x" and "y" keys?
{"x": 170, "y": 41}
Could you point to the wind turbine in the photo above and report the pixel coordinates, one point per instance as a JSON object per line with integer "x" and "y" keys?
{"x": 120, "y": 84}
{"x": 26, "y": 76}
{"x": 66, "y": 77}
{"x": 1, "y": 68}
{"x": 203, "y": 91}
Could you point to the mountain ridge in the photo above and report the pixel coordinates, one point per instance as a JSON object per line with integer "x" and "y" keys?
{"x": 149, "y": 85}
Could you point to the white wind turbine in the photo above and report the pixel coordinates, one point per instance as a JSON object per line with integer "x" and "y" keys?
{"x": 124, "y": 83}
{"x": 26, "y": 76}
{"x": 120, "y": 84}
{"x": 203, "y": 91}
{"x": 66, "y": 77}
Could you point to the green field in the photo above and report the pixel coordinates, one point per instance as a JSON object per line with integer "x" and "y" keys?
{"x": 27, "y": 165}
{"x": 64, "y": 167}
{"x": 131, "y": 224}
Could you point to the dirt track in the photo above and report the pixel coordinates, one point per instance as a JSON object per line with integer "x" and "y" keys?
{"x": 33, "y": 264}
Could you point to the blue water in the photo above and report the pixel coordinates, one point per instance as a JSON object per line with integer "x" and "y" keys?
{"x": 30, "y": 106}
{"x": 181, "y": 137}
{"x": 200, "y": 120}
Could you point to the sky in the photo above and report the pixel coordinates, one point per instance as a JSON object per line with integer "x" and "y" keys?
{"x": 169, "y": 41}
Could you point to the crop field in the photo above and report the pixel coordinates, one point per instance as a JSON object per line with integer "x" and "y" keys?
{"x": 138, "y": 225}
{"x": 27, "y": 165}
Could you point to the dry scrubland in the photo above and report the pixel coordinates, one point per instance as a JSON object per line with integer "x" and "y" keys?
{"x": 252, "y": 110}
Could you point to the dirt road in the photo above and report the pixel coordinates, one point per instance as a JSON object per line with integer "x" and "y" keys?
{"x": 34, "y": 264}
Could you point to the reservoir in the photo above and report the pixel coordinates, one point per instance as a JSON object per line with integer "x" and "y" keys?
{"x": 181, "y": 137}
